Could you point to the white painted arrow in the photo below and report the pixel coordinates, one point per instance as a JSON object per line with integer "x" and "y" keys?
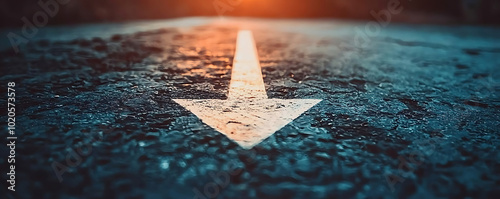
{"x": 247, "y": 116}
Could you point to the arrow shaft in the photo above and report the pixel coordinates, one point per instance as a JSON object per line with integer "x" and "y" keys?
{"x": 246, "y": 75}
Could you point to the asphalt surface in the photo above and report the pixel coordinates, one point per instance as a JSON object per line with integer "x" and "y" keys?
{"x": 412, "y": 113}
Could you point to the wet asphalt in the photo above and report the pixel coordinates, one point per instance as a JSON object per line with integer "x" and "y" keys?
{"x": 410, "y": 112}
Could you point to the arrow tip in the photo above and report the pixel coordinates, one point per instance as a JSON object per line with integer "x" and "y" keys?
{"x": 247, "y": 122}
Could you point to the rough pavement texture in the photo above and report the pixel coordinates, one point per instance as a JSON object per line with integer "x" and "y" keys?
{"x": 403, "y": 117}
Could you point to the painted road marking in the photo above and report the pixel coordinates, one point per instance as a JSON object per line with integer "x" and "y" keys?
{"x": 247, "y": 116}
